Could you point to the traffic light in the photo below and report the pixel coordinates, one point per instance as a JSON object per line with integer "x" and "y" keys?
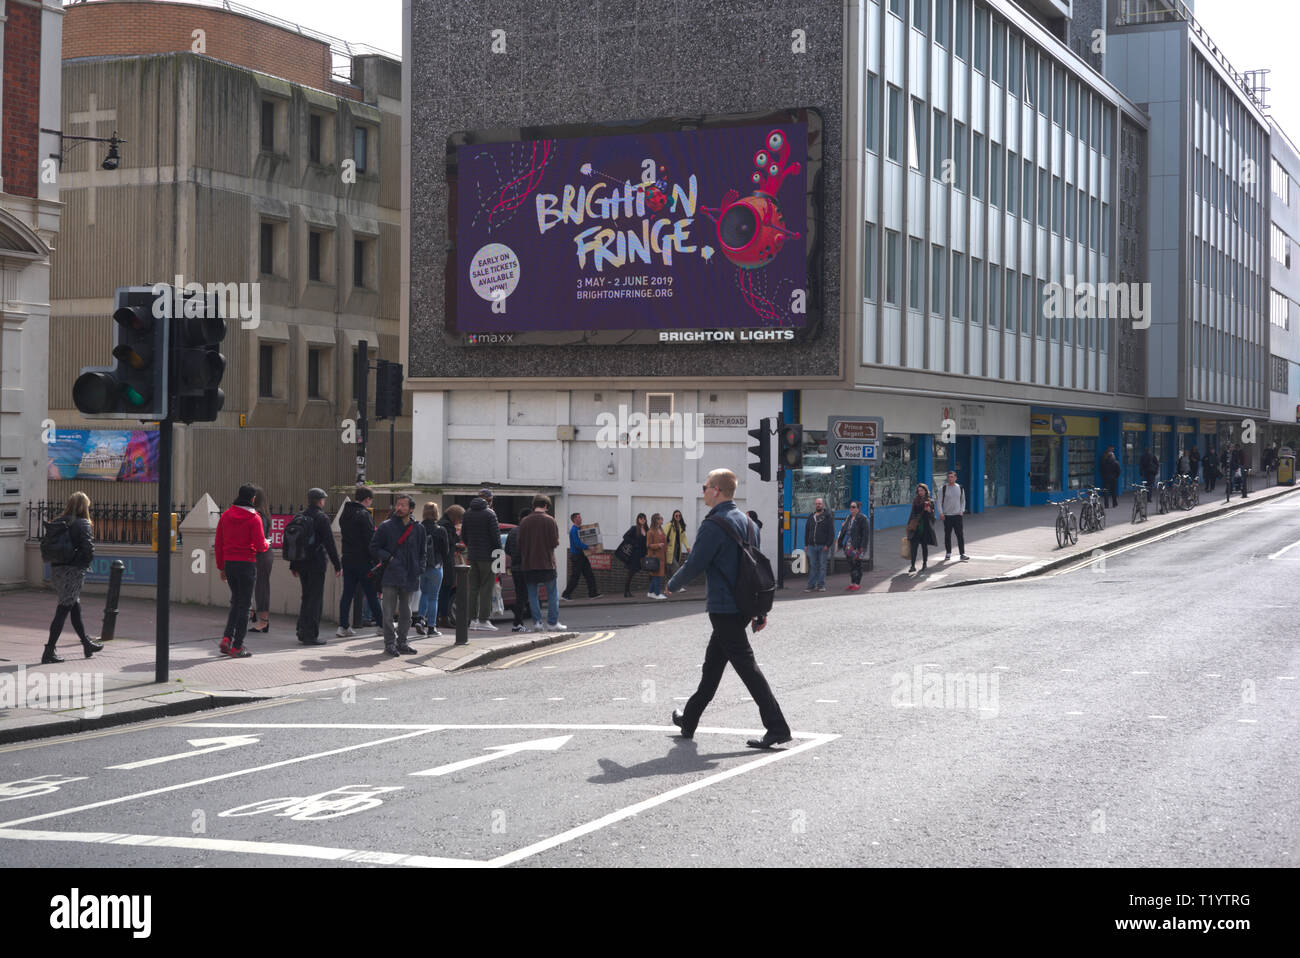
{"x": 792, "y": 447}
{"x": 762, "y": 449}
{"x": 196, "y": 361}
{"x": 135, "y": 387}
{"x": 388, "y": 390}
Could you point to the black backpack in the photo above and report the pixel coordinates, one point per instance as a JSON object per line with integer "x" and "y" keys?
{"x": 300, "y": 538}
{"x": 57, "y": 547}
{"x": 755, "y": 585}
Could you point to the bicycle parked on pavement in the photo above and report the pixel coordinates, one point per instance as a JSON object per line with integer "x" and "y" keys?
{"x": 1067, "y": 527}
{"x": 1164, "y": 496}
{"x": 1187, "y": 492}
{"x": 1092, "y": 517}
{"x": 1141, "y": 496}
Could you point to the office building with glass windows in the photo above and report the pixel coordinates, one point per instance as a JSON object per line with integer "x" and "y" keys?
{"x": 1283, "y": 293}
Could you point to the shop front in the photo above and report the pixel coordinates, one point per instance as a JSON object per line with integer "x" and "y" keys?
{"x": 1134, "y": 439}
{"x": 1065, "y": 450}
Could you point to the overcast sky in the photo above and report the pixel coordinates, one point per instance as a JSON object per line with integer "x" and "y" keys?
{"x": 1251, "y": 33}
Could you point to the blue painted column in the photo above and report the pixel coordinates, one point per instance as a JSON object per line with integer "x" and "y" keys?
{"x": 1019, "y": 480}
{"x": 787, "y": 411}
{"x": 975, "y": 489}
{"x": 924, "y": 461}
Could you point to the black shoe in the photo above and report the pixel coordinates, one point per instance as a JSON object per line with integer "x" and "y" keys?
{"x": 49, "y": 658}
{"x": 768, "y": 740}
{"x": 678, "y": 718}
{"x": 598, "y": 595}
{"x": 912, "y": 569}
{"x": 90, "y": 647}
{"x": 312, "y": 641}
{"x": 407, "y": 650}
{"x": 391, "y": 650}
{"x": 627, "y": 595}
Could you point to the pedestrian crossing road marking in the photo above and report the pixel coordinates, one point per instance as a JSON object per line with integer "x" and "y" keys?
{"x": 14, "y": 830}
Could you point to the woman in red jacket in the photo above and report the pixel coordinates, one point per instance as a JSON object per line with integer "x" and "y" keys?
{"x": 240, "y": 538}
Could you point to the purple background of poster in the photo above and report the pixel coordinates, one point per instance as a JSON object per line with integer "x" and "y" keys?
{"x": 706, "y": 294}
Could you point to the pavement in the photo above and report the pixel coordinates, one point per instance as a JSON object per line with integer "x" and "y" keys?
{"x": 117, "y": 685}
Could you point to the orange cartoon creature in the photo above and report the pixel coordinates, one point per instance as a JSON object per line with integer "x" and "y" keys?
{"x": 751, "y": 230}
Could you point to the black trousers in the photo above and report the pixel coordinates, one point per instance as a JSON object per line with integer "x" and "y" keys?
{"x": 312, "y": 577}
{"x": 949, "y": 524}
{"x": 728, "y": 643}
{"x": 924, "y": 545}
{"x": 1110, "y": 494}
{"x": 521, "y": 598}
{"x": 855, "y": 571}
{"x": 242, "y": 579}
{"x": 579, "y": 565}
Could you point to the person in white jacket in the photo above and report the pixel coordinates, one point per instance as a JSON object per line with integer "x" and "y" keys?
{"x": 952, "y": 505}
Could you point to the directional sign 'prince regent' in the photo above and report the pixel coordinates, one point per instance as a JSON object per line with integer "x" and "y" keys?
{"x": 658, "y": 229}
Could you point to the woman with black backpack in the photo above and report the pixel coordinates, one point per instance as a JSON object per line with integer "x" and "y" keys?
{"x": 633, "y": 550}
{"x": 71, "y": 540}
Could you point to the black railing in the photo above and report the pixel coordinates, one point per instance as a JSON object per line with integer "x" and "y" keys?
{"x": 119, "y": 523}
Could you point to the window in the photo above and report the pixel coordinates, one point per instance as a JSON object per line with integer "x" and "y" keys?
{"x": 1045, "y": 86}
{"x": 313, "y": 256}
{"x": 1281, "y": 183}
{"x": 938, "y": 273}
{"x": 976, "y": 293}
{"x": 1279, "y": 313}
{"x": 873, "y": 113}
{"x": 1026, "y": 306}
{"x": 1281, "y": 247}
{"x": 962, "y": 32}
{"x": 1011, "y": 301}
{"x": 996, "y": 173}
{"x": 1058, "y": 91}
{"x": 995, "y": 296}
{"x": 940, "y": 167}
{"x": 977, "y": 165}
{"x": 1040, "y": 289}
{"x": 1015, "y": 56}
{"x": 916, "y": 145}
{"x": 919, "y": 10}
{"x": 1031, "y": 75}
{"x": 869, "y": 262}
{"x": 1106, "y": 132}
{"x": 1094, "y": 134}
{"x": 1044, "y": 198}
{"x": 915, "y": 267}
{"x": 266, "y": 371}
{"x": 1057, "y": 199}
{"x": 314, "y": 138}
{"x": 895, "y": 144}
{"x": 1105, "y": 229}
{"x": 1027, "y": 191}
{"x": 359, "y": 250}
{"x": 1094, "y": 236}
{"x": 1280, "y": 374}
{"x": 980, "y": 57}
{"x": 997, "y": 70}
{"x": 268, "y": 125}
{"x": 893, "y": 272}
{"x": 896, "y": 7}
{"x": 1072, "y": 111}
{"x": 1013, "y": 183}
{"x": 941, "y": 11}
{"x": 1070, "y": 200}
{"x": 266, "y": 249}
{"x": 313, "y": 374}
{"x": 361, "y": 147}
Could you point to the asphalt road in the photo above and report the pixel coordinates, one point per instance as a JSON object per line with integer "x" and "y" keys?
{"x": 1142, "y": 711}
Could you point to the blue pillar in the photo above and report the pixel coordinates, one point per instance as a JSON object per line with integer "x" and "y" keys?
{"x": 925, "y": 461}
{"x": 788, "y": 411}
{"x": 975, "y": 494}
{"x": 1019, "y": 491}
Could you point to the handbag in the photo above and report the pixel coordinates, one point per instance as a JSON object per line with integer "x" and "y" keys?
{"x": 650, "y": 564}
{"x": 853, "y": 554}
{"x": 376, "y": 573}
{"x": 624, "y": 551}
{"x": 912, "y": 523}
{"x": 905, "y": 548}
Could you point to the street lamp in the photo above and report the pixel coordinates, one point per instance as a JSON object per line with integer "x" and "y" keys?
{"x": 110, "y": 161}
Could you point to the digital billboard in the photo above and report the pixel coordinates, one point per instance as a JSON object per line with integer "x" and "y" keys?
{"x": 685, "y": 230}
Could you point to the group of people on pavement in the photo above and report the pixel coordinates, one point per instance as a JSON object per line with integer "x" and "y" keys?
{"x": 1231, "y": 460}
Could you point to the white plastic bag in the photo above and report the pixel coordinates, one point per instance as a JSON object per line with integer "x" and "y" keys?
{"x": 498, "y": 604}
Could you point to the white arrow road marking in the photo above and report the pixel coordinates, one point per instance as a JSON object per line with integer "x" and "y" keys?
{"x": 215, "y": 745}
{"x": 500, "y": 751}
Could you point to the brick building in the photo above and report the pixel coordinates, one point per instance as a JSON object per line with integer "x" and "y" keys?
{"x": 30, "y": 37}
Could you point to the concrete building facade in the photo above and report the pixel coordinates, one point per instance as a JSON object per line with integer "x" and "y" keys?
{"x": 254, "y": 154}
{"x": 1284, "y": 291}
{"x": 30, "y": 211}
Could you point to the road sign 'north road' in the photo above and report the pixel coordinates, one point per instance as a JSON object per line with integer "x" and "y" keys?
{"x": 854, "y": 439}
{"x": 855, "y": 452}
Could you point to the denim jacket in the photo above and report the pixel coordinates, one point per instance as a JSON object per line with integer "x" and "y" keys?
{"x": 717, "y": 556}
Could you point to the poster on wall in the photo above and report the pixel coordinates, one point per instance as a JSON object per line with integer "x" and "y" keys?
{"x": 668, "y": 231}
{"x": 116, "y": 455}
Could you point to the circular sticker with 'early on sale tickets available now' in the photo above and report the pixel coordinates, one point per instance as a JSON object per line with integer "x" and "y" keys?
{"x": 494, "y": 271}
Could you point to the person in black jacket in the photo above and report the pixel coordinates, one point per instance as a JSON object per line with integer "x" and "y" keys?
{"x": 437, "y": 557}
{"x": 67, "y": 578}
{"x": 818, "y": 539}
{"x": 920, "y": 526}
{"x": 450, "y": 522}
{"x": 1149, "y": 466}
{"x": 357, "y": 526}
{"x": 1110, "y": 472}
{"x": 482, "y": 535}
{"x": 399, "y": 543}
{"x": 635, "y": 540}
{"x": 311, "y": 572}
{"x": 853, "y": 540}
{"x": 517, "y": 576}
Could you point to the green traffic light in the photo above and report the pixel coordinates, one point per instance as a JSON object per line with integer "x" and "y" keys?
{"x": 134, "y": 396}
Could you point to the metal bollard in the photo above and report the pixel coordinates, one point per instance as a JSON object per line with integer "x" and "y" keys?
{"x": 462, "y": 605}
{"x": 110, "y": 607}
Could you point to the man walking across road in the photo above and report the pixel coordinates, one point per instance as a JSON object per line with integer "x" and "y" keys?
{"x": 818, "y": 537}
{"x": 717, "y": 555}
{"x": 399, "y": 543}
{"x": 482, "y": 537}
{"x": 310, "y": 571}
{"x": 952, "y": 507}
{"x": 539, "y": 535}
{"x": 579, "y": 564}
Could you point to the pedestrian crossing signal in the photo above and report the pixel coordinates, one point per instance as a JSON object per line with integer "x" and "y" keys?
{"x": 762, "y": 449}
